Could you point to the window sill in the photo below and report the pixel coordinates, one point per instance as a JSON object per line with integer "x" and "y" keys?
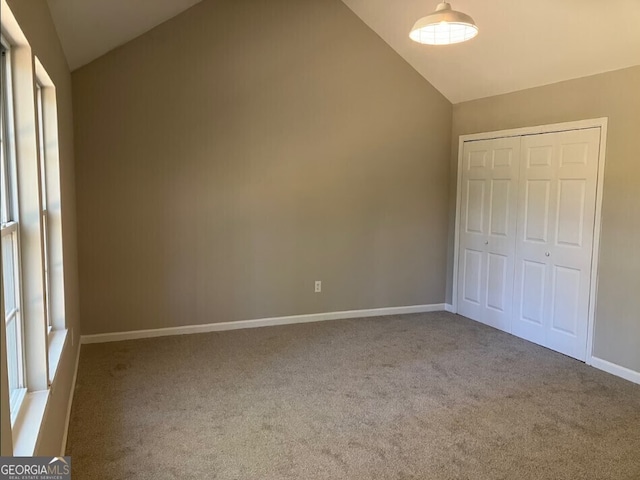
{"x": 16, "y": 399}
{"x": 27, "y": 426}
{"x": 57, "y": 339}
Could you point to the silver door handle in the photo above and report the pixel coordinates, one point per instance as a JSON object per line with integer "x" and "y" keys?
{"x": 486, "y": 242}
{"x": 547, "y": 254}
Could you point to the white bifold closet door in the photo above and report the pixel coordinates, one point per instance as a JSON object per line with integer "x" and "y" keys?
{"x": 526, "y": 230}
{"x": 556, "y": 217}
{"x": 487, "y": 230}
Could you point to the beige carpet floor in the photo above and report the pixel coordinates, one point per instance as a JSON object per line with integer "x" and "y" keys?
{"x": 425, "y": 396}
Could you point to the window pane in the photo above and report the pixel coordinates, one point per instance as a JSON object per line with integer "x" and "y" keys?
{"x": 8, "y": 272}
{"x": 41, "y": 139}
{"x": 9, "y": 247}
{"x": 13, "y": 355}
{"x": 4, "y": 187}
{"x": 47, "y": 288}
{"x": 4, "y": 210}
{"x": 4, "y": 197}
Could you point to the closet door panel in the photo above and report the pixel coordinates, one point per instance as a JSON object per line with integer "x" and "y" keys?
{"x": 556, "y": 212}
{"x": 488, "y": 223}
{"x": 529, "y": 300}
{"x": 472, "y": 267}
{"x": 474, "y": 201}
{"x": 573, "y": 232}
{"x": 536, "y": 211}
{"x": 497, "y": 272}
{"x": 499, "y": 208}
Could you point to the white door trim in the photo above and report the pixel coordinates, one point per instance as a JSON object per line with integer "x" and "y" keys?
{"x": 535, "y": 130}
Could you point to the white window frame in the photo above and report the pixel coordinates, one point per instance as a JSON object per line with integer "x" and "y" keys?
{"x": 50, "y": 215}
{"x": 43, "y": 204}
{"x": 12, "y": 228}
{"x": 42, "y": 348}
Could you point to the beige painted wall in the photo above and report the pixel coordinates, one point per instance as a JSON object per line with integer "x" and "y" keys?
{"x": 35, "y": 20}
{"x": 236, "y": 153}
{"x": 615, "y": 95}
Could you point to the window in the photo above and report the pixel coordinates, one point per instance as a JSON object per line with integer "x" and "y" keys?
{"x": 49, "y": 206}
{"x": 11, "y": 245}
{"x": 32, "y": 317}
{"x": 43, "y": 203}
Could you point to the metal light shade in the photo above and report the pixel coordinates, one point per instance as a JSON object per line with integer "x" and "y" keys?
{"x": 443, "y": 27}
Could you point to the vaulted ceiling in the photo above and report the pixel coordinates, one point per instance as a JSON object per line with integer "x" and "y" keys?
{"x": 521, "y": 44}
{"x": 90, "y": 28}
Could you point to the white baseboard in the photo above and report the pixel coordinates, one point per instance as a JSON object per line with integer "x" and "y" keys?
{"x": 259, "y": 322}
{"x": 448, "y": 308}
{"x": 615, "y": 369}
{"x": 68, "y": 419}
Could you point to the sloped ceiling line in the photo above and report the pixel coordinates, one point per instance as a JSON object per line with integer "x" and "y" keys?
{"x": 521, "y": 44}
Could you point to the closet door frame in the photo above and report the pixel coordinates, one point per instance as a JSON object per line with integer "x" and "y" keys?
{"x": 534, "y": 130}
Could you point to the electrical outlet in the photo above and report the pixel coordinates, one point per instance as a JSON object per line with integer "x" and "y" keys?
{"x": 318, "y": 286}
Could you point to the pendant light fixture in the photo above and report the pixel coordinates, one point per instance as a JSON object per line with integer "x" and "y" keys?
{"x": 443, "y": 27}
